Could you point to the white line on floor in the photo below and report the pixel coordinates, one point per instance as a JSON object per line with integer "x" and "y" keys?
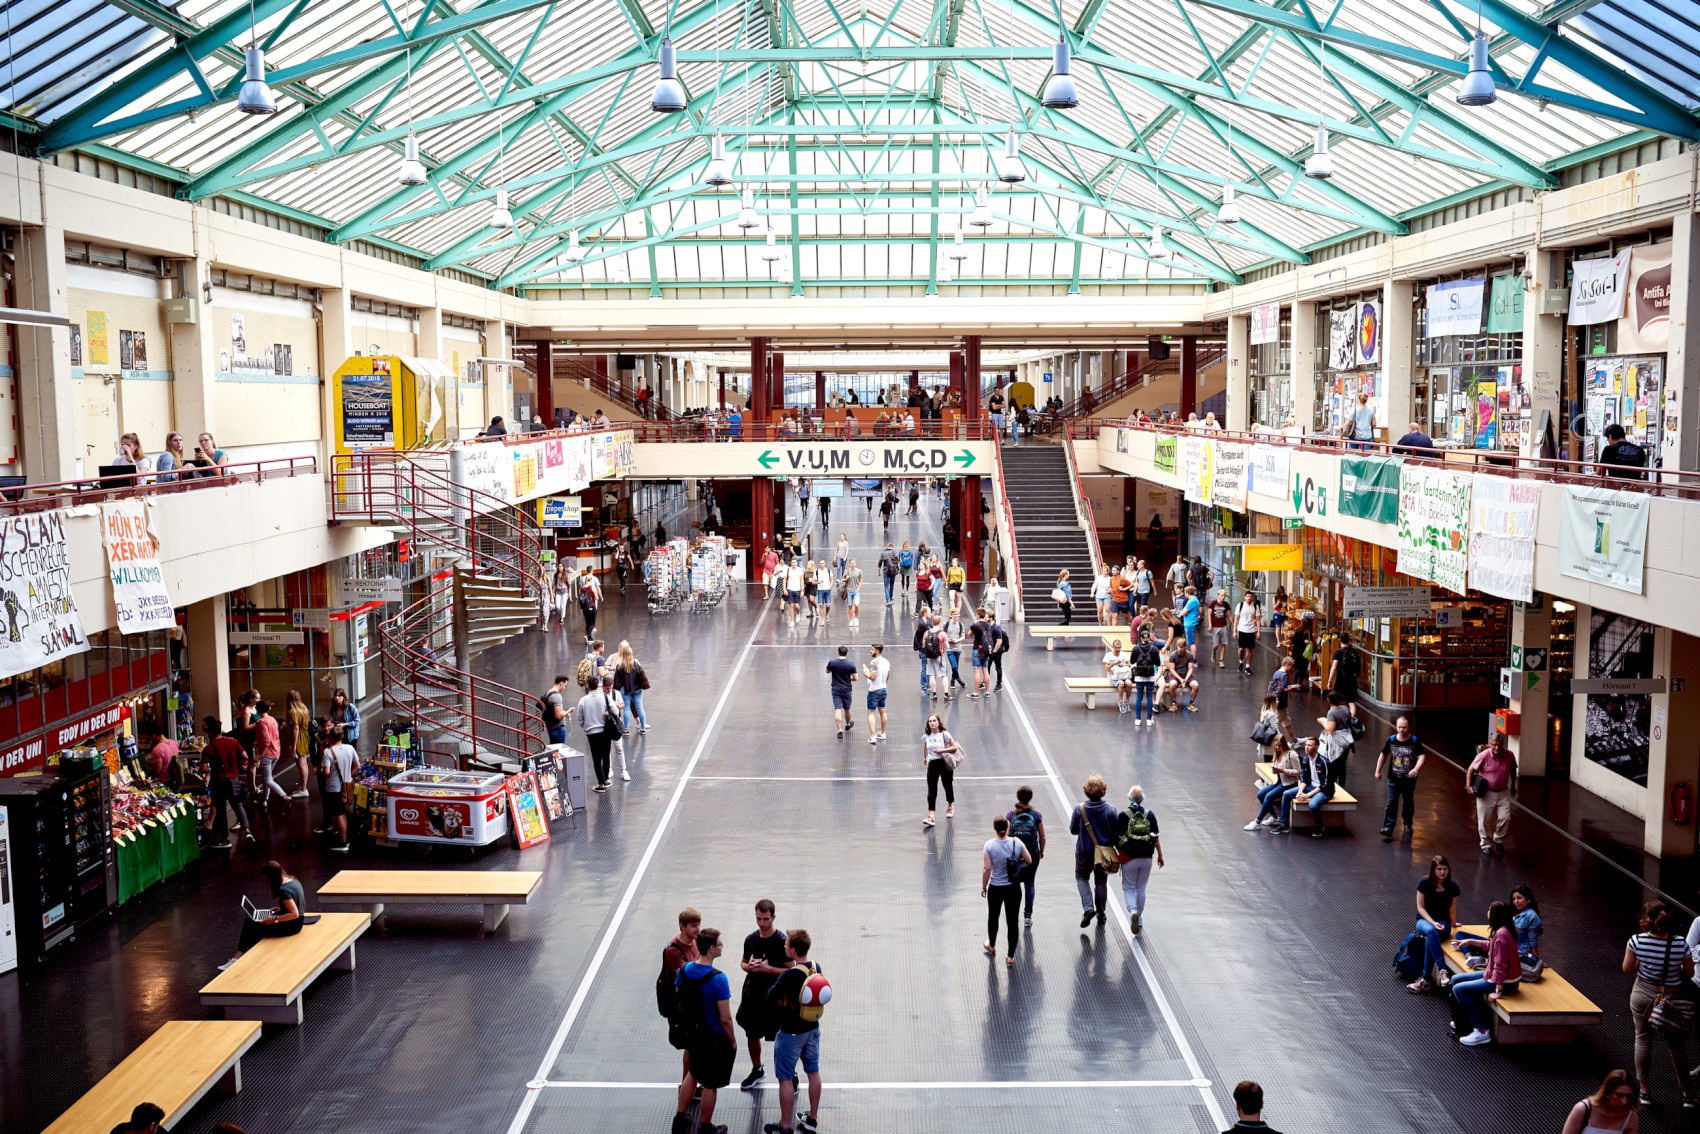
{"x": 1016, "y": 1085}
{"x": 1149, "y": 973}
{"x": 852, "y": 779}
{"x": 582, "y": 993}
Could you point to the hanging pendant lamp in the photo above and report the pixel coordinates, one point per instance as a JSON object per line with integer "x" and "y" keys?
{"x": 1478, "y": 88}
{"x": 1060, "y": 93}
{"x": 1159, "y": 250}
{"x": 574, "y": 252}
{"x": 958, "y": 250}
{"x": 772, "y": 250}
{"x": 669, "y": 96}
{"x": 1229, "y": 213}
{"x": 981, "y": 217}
{"x": 500, "y": 217}
{"x": 747, "y": 212}
{"x": 255, "y": 97}
{"x": 412, "y": 170}
{"x": 1009, "y": 167}
{"x": 720, "y": 167}
{"x": 1320, "y": 164}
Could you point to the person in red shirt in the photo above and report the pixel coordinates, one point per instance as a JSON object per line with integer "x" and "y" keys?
{"x": 1121, "y": 585}
{"x": 679, "y": 952}
{"x": 227, "y": 768}
{"x": 267, "y": 749}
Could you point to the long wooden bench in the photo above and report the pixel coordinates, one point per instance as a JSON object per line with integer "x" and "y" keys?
{"x": 266, "y": 983}
{"x": 1090, "y": 686}
{"x": 1104, "y": 634}
{"x": 374, "y": 890}
{"x": 1333, "y": 812}
{"x": 173, "y": 1069}
{"x": 1546, "y": 1011}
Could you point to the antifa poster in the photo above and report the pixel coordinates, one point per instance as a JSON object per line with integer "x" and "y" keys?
{"x": 38, "y": 614}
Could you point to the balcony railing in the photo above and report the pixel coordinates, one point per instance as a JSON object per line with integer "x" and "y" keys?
{"x": 19, "y": 499}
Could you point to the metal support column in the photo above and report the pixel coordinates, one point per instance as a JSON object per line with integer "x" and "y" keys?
{"x": 545, "y": 382}
{"x": 966, "y": 500}
{"x": 1189, "y": 375}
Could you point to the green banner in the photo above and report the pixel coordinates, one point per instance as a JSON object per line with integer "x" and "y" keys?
{"x": 1164, "y": 458}
{"x": 1505, "y": 305}
{"x": 1369, "y": 488}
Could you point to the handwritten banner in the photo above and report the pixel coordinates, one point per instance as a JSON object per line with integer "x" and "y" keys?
{"x": 1433, "y": 529}
{"x": 1228, "y": 485}
{"x": 132, "y": 561}
{"x": 1502, "y": 536}
{"x": 38, "y": 614}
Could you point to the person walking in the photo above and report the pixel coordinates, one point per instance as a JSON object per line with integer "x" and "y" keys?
{"x": 980, "y": 658}
{"x": 823, "y": 589}
{"x": 878, "y": 673}
{"x": 1028, "y": 824}
{"x": 268, "y": 747}
{"x": 1280, "y": 683}
{"x": 842, "y": 556}
{"x": 955, "y": 578}
{"x": 1248, "y": 1109}
{"x": 941, "y": 755}
{"x": 1063, "y": 595}
{"x": 563, "y": 594}
{"x": 631, "y": 681}
{"x": 1663, "y": 967}
{"x": 905, "y": 564}
{"x": 1473, "y": 994}
{"x": 341, "y": 764}
{"x": 1247, "y": 622}
{"x": 795, "y": 575}
{"x": 811, "y": 586}
{"x": 1002, "y": 861}
{"x": 769, "y": 564}
{"x": 1402, "y": 757}
{"x": 1142, "y": 584}
{"x": 296, "y": 739}
{"x": 705, "y": 1016}
{"x": 764, "y": 961}
{"x": 1139, "y": 845}
{"x": 841, "y": 672}
{"x": 799, "y": 1035}
{"x": 1144, "y": 661}
{"x": 923, "y": 627}
{"x": 851, "y": 584}
{"x": 1609, "y": 1110}
{"x": 1000, "y": 647}
{"x": 1093, "y": 825}
{"x": 595, "y": 714}
{"x": 589, "y": 600}
{"x": 954, "y": 634}
{"x": 888, "y": 564}
{"x": 227, "y": 768}
{"x": 1220, "y": 615}
{"x": 1101, "y": 593}
{"x": 1492, "y": 779}
{"x": 935, "y": 646}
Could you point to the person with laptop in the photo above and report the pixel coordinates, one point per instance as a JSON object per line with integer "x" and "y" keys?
{"x": 284, "y": 919}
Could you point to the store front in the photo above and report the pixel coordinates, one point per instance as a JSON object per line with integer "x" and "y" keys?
{"x": 1470, "y": 391}
{"x": 104, "y": 698}
{"x": 1271, "y": 365}
{"x": 1621, "y": 353}
{"x": 1348, "y": 339}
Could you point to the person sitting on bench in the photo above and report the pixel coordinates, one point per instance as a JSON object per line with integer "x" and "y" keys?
{"x": 286, "y": 918}
{"x": 1316, "y": 785}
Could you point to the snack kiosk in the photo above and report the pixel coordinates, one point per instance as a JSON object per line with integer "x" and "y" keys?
{"x": 436, "y": 805}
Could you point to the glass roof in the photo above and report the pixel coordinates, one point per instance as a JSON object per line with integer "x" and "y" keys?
{"x": 863, "y": 128}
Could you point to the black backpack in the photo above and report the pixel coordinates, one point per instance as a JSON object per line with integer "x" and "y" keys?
{"x": 930, "y": 644}
{"x": 687, "y": 1005}
{"x": 1023, "y": 826}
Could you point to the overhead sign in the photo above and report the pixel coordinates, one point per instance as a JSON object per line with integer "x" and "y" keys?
{"x": 310, "y": 619}
{"x": 1273, "y": 557}
{"x": 372, "y": 590}
{"x": 817, "y": 458}
{"x": 1619, "y": 685}
{"x": 1309, "y": 497}
{"x": 266, "y": 637}
{"x": 1385, "y": 602}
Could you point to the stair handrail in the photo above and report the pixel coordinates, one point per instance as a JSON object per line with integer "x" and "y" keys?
{"x": 1006, "y": 525}
{"x": 1083, "y": 507}
{"x": 572, "y": 368}
{"x": 1133, "y": 380}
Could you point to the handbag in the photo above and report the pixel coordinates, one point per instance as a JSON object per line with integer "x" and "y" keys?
{"x": 953, "y": 759}
{"x": 1057, "y": 595}
{"x": 1264, "y": 733}
{"x": 1103, "y": 857}
{"x": 1478, "y": 784}
{"x": 1674, "y": 1017}
{"x": 611, "y": 720}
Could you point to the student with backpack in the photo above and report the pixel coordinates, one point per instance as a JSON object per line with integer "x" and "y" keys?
{"x": 1138, "y": 844}
{"x": 1144, "y": 662}
{"x": 799, "y": 997}
{"x": 552, "y": 710}
{"x": 1003, "y": 861}
{"x": 1028, "y": 825}
{"x": 888, "y": 560}
{"x": 905, "y": 563}
{"x": 678, "y": 952}
{"x": 589, "y": 599}
{"x": 703, "y": 1013}
{"x": 933, "y": 647}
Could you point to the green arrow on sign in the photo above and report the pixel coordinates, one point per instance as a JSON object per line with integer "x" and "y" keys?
{"x": 767, "y": 460}
{"x": 966, "y": 458}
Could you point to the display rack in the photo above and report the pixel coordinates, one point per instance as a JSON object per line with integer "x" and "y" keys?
{"x": 707, "y": 573}
{"x": 666, "y": 571}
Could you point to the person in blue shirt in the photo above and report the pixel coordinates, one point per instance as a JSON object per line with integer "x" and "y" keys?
{"x": 734, "y": 424}
{"x": 713, "y": 1045}
{"x": 1190, "y": 611}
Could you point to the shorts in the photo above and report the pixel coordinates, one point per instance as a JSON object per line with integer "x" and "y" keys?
{"x": 795, "y": 598}
{"x": 853, "y": 598}
{"x": 1118, "y": 606}
{"x": 767, "y": 578}
{"x": 1248, "y": 640}
{"x": 841, "y": 700}
{"x": 876, "y": 699}
{"x": 1192, "y": 635}
{"x": 979, "y": 659}
{"x": 789, "y": 1046}
{"x": 335, "y": 808}
{"x": 1218, "y": 635}
{"x": 824, "y": 597}
{"x": 711, "y": 1061}
{"x": 757, "y": 1020}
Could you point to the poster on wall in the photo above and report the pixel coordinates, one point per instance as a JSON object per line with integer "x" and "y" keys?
{"x": 139, "y": 349}
{"x": 100, "y": 347}
{"x": 1602, "y": 537}
{"x": 368, "y": 411}
{"x": 1505, "y": 304}
{"x": 39, "y": 622}
{"x": 1597, "y": 289}
{"x": 1369, "y": 488}
{"x": 1454, "y": 308}
{"x": 126, "y": 350}
{"x": 1266, "y": 472}
{"x": 1342, "y": 339}
{"x": 1265, "y": 324}
{"x": 1157, "y": 500}
{"x": 1618, "y": 725}
{"x": 283, "y": 359}
{"x": 1645, "y": 325}
{"x": 132, "y": 562}
{"x": 1195, "y": 471}
{"x": 1434, "y": 524}
{"x": 1502, "y": 536}
{"x": 238, "y": 334}
{"x": 1228, "y": 479}
{"x": 76, "y": 344}
{"x": 1487, "y": 412}
{"x": 1369, "y": 332}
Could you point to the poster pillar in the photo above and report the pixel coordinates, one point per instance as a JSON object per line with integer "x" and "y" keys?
{"x": 1531, "y": 631}
{"x": 1681, "y": 447}
{"x": 1543, "y": 353}
{"x": 47, "y": 418}
{"x": 1304, "y": 366}
{"x": 1239, "y": 374}
{"x": 1673, "y": 759}
{"x": 207, "y": 631}
{"x": 1189, "y": 375}
{"x": 1396, "y": 353}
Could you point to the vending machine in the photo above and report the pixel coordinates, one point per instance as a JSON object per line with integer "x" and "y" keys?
{"x": 8, "y": 922}
{"x": 63, "y": 868}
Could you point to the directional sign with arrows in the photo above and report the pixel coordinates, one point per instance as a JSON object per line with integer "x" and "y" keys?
{"x": 852, "y": 457}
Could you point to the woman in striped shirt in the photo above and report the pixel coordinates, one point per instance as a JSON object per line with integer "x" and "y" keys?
{"x": 1660, "y": 961}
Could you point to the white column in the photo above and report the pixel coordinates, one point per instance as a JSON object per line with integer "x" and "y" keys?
{"x": 194, "y": 356}
{"x": 48, "y": 438}
{"x": 1543, "y": 350}
{"x": 1239, "y": 374}
{"x": 1682, "y": 374}
{"x": 1672, "y": 756}
{"x": 336, "y": 344}
{"x": 498, "y": 380}
{"x": 1398, "y": 353}
{"x": 208, "y": 635}
{"x": 1304, "y": 365}
{"x": 431, "y": 334}
{"x": 1531, "y": 630}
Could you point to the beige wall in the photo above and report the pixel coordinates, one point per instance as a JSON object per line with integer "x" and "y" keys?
{"x": 110, "y": 401}
{"x": 255, "y": 405}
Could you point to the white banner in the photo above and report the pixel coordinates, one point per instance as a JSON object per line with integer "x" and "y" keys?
{"x": 1433, "y": 531}
{"x": 1342, "y": 339}
{"x": 1195, "y": 469}
{"x": 1266, "y": 474}
{"x": 1598, "y": 288}
{"x": 1602, "y": 537}
{"x": 1645, "y": 326}
{"x": 1266, "y": 324}
{"x": 1454, "y": 308}
{"x": 38, "y": 614}
{"x": 132, "y": 562}
{"x": 1502, "y": 536}
{"x": 512, "y": 473}
{"x": 1228, "y": 484}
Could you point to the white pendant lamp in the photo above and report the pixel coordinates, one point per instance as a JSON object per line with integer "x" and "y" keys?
{"x": 669, "y": 96}
{"x": 720, "y": 167}
{"x": 945, "y": 276}
{"x": 981, "y": 217}
{"x": 958, "y": 250}
{"x": 747, "y": 212}
{"x": 500, "y": 217}
{"x": 1109, "y": 271}
{"x": 1159, "y": 250}
{"x": 574, "y": 252}
{"x": 1009, "y": 167}
{"x": 1320, "y": 164}
{"x": 772, "y": 250}
{"x": 1478, "y": 89}
{"x": 1060, "y": 93}
{"x": 1229, "y": 213}
{"x": 412, "y": 169}
{"x": 255, "y": 97}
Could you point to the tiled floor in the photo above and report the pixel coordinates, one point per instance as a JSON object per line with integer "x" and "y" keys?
{"x": 1266, "y": 956}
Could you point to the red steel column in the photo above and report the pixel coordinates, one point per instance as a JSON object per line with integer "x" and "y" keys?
{"x": 820, "y": 391}
{"x": 1189, "y": 375}
{"x": 759, "y": 391}
{"x": 722, "y": 373}
{"x": 966, "y": 501}
{"x": 545, "y": 382}
{"x": 761, "y": 488}
{"x": 776, "y": 378}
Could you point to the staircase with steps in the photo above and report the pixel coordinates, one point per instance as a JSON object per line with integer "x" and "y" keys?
{"x": 1040, "y": 494}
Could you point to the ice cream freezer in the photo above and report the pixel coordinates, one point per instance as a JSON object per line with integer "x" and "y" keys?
{"x": 436, "y": 805}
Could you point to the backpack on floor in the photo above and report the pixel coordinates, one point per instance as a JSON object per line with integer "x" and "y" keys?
{"x": 1408, "y": 961}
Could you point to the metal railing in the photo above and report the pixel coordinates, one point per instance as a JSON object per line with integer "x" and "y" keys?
{"x": 22, "y": 499}
{"x": 1681, "y": 483}
{"x": 1134, "y": 379}
{"x": 716, "y": 429}
{"x": 571, "y": 368}
{"x": 1006, "y": 528}
{"x": 1083, "y": 508}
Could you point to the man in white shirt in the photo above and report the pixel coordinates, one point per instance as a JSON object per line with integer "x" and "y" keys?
{"x": 794, "y": 587}
{"x": 877, "y": 671}
{"x": 1247, "y": 624}
{"x": 340, "y": 764}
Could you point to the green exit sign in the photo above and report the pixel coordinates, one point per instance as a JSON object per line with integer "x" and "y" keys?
{"x": 1293, "y": 523}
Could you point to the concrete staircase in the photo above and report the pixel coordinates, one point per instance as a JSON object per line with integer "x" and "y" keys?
{"x": 1048, "y": 535}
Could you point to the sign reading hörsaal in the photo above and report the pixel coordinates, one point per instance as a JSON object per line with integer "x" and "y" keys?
{"x": 873, "y": 458}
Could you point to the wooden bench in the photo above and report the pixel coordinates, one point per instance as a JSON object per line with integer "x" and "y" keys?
{"x": 1546, "y": 1011}
{"x": 266, "y": 983}
{"x": 1333, "y": 812}
{"x": 173, "y": 1069}
{"x": 373, "y": 890}
{"x": 1105, "y": 634}
{"x": 1090, "y": 686}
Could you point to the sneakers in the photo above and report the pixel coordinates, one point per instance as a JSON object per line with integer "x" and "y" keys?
{"x": 302, "y": 794}
{"x": 221, "y": 846}
{"x": 600, "y": 788}
{"x": 756, "y": 1075}
{"x": 1387, "y": 834}
{"x": 1221, "y": 665}
{"x": 1253, "y": 825}
{"x": 929, "y": 822}
{"x": 841, "y": 734}
{"x": 807, "y": 1123}
{"x": 228, "y": 963}
{"x": 1419, "y": 985}
{"x": 1475, "y": 1038}
{"x": 881, "y": 736}
{"x": 774, "y": 1127}
{"x": 1272, "y": 821}
{"x": 874, "y": 739}
{"x": 625, "y": 775}
{"x": 1133, "y": 923}
{"x": 1191, "y": 708}
{"x": 1027, "y": 922}
{"x": 973, "y": 696}
{"x": 1086, "y": 918}
{"x": 343, "y": 849}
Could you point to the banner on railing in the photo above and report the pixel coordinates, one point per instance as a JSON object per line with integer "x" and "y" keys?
{"x": 1196, "y": 471}
{"x": 1502, "y": 536}
{"x": 132, "y": 560}
{"x": 1602, "y": 537}
{"x": 1369, "y": 488}
{"x": 514, "y": 473}
{"x": 38, "y": 614}
{"x": 1228, "y": 480}
{"x": 1266, "y": 474}
{"x": 1433, "y": 529}
{"x": 1164, "y": 454}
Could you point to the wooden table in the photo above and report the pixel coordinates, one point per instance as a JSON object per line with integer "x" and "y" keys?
{"x": 373, "y": 890}
{"x": 173, "y": 1069}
